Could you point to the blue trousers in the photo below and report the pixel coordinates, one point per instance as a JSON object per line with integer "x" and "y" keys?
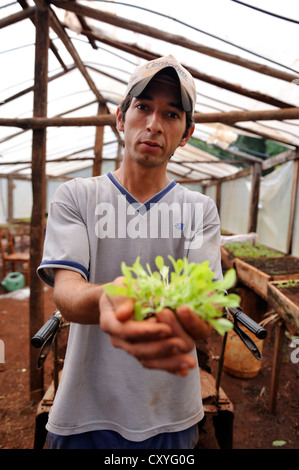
{"x": 186, "y": 439}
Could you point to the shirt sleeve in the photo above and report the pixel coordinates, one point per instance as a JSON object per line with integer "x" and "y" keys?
{"x": 66, "y": 241}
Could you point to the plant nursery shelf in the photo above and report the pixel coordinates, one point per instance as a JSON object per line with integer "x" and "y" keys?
{"x": 257, "y": 265}
{"x": 284, "y": 298}
{"x": 256, "y": 273}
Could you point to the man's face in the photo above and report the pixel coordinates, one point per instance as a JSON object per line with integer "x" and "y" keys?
{"x": 154, "y": 125}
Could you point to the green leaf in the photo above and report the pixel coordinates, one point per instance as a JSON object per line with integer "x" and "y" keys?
{"x": 159, "y": 262}
{"x": 278, "y": 443}
{"x": 222, "y": 325}
{"x": 229, "y": 279}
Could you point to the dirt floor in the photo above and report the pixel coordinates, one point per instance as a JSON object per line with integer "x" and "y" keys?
{"x": 254, "y": 427}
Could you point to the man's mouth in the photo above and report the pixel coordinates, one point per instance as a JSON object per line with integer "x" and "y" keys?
{"x": 151, "y": 144}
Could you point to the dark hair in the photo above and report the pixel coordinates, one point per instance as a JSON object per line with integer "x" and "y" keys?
{"x": 124, "y": 106}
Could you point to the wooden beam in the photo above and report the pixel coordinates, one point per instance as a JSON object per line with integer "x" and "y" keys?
{"x": 142, "y": 28}
{"x": 109, "y": 119}
{"x": 220, "y": 83}
{"x": 16, "y": 17}
{"x": 55, "y": 24}
{"x": 42, "y": 122}
{"x": 85, "y": 26}
{"x": 39, "y": 193}
{"x": 265, "y": 132}
{"x": 232, "y": 117}
{"x": 240, "y": 174}
{"x": 283, "y": 157}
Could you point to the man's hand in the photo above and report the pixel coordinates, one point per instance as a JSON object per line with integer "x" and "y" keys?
{"x": 197, "y": 328}
{"x": 159, "y": 342}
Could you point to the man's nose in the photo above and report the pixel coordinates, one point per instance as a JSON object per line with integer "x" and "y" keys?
{"x": 154, "y": 124}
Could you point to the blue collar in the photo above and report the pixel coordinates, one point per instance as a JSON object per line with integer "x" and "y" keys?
{"x": 138, "y": 205}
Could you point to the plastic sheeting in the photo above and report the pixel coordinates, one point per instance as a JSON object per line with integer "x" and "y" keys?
{"x": 274, "y": 207}
{"x": 273, "y": 211}
{"x": 235, "y": 205}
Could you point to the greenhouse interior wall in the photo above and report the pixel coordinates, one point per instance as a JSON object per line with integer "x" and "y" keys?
{"x": 273, "y": 210}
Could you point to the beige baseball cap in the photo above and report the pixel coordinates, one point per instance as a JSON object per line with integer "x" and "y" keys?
{"x": 143, "y": 74}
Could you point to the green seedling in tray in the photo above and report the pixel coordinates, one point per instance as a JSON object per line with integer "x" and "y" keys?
{"x": 189, "y": 284}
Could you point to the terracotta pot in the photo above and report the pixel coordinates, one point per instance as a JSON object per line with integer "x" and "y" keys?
{"x": 238, "y": 360}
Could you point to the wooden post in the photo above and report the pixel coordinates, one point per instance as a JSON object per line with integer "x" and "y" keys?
{"x": 39, "y": 192}
{"x": 254, "y": 197}
{"x": 278, "y": 349}
{"x": 10, "y": 186}
{"x": 218, "y": 196}
{"x": 293, "y": 203}
{"x": 98, "y": 148}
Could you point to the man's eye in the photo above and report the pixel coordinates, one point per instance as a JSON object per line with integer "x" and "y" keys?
{"x": 173, "y": 115}
{"x": 141, "y": 106}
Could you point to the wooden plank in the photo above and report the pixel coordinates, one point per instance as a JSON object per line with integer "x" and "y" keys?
{"x": 227, "y": 258}
{"x": 258, "y": 280}
{"x": 209, "y": 392}
{"x": 254, "y": 278}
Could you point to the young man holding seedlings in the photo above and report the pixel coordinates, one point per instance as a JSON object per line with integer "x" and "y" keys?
{"x": 129, "y": 384}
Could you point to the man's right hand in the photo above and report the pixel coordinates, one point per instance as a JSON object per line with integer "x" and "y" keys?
{"x": 158, "y": 342}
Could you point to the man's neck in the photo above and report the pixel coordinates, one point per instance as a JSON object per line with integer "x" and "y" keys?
{"x": 143, "y": 183}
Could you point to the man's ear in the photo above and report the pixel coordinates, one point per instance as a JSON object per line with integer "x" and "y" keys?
{"x": 119, "y": 120}
{"x": 185, "y": 139}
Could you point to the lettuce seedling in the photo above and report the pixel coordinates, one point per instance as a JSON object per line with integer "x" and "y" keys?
{"x": 189, "y": 284}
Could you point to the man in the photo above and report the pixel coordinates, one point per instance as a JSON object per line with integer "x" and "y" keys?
{"x": 128, "y": 384}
